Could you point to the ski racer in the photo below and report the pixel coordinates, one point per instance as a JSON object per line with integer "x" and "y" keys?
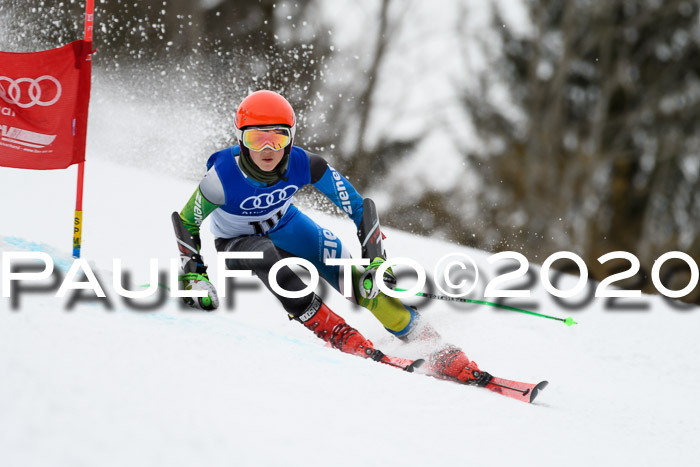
{"x": 248, "y": 192}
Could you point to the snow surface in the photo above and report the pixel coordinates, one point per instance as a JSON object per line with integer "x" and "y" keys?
{"x": 246, "y": 386}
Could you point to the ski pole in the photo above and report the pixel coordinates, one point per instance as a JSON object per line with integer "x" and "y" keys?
{"x": 568, "y": 321}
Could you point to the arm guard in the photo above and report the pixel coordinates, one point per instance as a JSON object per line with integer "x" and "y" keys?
{"x": 369, "y": 232}
{"x": 188, "y": 244}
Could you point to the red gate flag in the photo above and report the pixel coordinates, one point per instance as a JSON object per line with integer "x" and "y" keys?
{"x": 44, "y": 98}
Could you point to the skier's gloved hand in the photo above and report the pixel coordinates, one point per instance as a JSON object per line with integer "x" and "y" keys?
{"x": 193, "y": 276}
{"x": 197, "y": 281}
{"x": 368, "y": 283}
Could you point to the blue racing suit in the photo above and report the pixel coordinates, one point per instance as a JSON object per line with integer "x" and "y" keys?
{"x": 250, "y": 215}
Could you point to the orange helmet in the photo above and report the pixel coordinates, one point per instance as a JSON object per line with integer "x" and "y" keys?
{"x": 263, "y": 108}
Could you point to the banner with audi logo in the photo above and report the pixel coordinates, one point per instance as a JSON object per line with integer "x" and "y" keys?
{"x": 44, "y": 98}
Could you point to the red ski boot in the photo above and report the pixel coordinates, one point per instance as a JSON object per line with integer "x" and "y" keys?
{"x": 333, "y": 329}
{"x": 452, "y": 363}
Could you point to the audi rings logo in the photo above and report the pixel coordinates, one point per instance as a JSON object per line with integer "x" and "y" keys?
{"x": 269, "y": 199}
{"x": 30, "y": 94}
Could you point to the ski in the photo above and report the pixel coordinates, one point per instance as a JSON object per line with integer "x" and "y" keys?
{"x": 525, "y": 392}
{"x": 404, "y": 364}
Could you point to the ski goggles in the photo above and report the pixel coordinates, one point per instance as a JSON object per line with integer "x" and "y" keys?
{"x": 257, "y": 139}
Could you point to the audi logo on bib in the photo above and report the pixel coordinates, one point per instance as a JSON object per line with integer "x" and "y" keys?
{"x": 267, "y": 200}
{"x": 28, "y": 92}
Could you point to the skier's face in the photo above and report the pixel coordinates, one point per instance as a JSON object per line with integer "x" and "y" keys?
{"x": 267, "y": 159}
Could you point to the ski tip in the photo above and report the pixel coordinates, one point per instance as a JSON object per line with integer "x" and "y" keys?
{"x": 536, "y": 390}
{"x": 414, "y": 365}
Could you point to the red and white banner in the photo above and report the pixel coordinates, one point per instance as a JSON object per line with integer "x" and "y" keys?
{"x": 44, "y": 98}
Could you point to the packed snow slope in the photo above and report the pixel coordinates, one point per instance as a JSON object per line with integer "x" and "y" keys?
{"x": 88, "y": 385}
